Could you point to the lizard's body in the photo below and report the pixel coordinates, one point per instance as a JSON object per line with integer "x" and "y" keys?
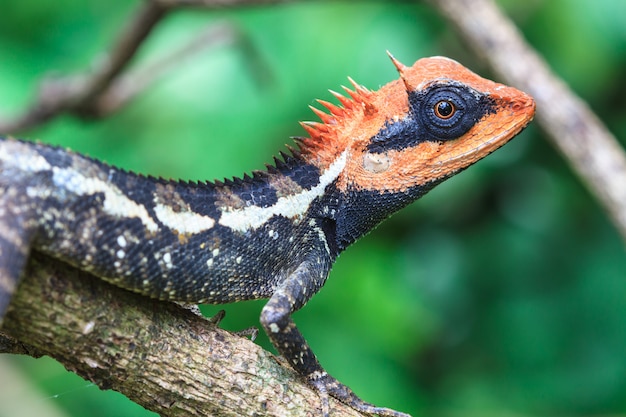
{"x": 273, "y": 235}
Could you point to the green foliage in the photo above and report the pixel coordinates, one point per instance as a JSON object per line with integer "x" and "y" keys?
{"x": 502, "y": 292}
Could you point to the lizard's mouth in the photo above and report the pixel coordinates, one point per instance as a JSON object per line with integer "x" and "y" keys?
{"x": 499, "y": 128}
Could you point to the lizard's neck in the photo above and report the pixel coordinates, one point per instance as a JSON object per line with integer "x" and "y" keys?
{"x": 292, "y": 188}
{"x": 298, "y": 189}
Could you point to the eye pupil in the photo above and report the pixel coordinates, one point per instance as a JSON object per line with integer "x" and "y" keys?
{"x": 444, "y": 109}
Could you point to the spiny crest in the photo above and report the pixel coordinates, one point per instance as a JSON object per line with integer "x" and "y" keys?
{"x": 285, "y": 161}
{"x": 326, "y": 138}
{"x": 401, "y": 70}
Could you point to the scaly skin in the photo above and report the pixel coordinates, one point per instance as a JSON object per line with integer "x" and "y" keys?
{"x": 275, "y": 234}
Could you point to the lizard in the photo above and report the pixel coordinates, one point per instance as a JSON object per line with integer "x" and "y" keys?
{"x": 273, "y": 234}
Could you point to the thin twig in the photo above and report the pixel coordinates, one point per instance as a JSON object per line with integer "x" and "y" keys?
{"x": 577, "y": 132}
{"x": 134, "y": 82}
{"x": 78, "y": 92}
{"x": 135, "y": 34}
{"x": 104, "y": 89}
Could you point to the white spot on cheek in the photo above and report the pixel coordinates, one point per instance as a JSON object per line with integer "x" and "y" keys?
{"x": 274, "y": 328}
{"x": 376, "y": 162}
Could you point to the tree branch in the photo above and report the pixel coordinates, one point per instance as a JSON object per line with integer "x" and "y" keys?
{"x": 104, "y": 89}
{"x": 576, "y": 131}
{"x": 160, "y": 355}
{"x": 77, "y": 93}
{"x": 127, "y": 86}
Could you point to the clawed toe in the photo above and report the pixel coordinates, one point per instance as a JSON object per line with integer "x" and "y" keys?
{"x": 327, "y": 386}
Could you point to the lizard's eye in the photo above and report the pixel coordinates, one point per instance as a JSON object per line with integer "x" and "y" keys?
{"x": 444, "y": 109}
{"x": 447, "y": 111}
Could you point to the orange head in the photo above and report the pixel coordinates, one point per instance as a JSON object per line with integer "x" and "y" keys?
{"x": 400, "y": 141}
{"x": 434, "y": 121}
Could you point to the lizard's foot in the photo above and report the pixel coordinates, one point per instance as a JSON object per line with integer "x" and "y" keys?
{"x": 217, "y": 318}
{"x": 251, "y": 332}
{"x": 327, "y": 385}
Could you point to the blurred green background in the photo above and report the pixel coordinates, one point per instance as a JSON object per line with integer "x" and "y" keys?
{"x": 501, "y": 293}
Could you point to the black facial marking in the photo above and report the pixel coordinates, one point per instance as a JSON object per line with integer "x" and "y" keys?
{"x": 442, "y": 111}
{"x": 468, "y": 105}
{"x": 395, "y": 135}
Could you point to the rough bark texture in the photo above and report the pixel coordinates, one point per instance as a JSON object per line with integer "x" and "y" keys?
{"x": 160, "y": 355}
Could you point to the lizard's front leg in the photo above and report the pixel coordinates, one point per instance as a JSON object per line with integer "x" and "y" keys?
{"x": 291, "y": 295}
